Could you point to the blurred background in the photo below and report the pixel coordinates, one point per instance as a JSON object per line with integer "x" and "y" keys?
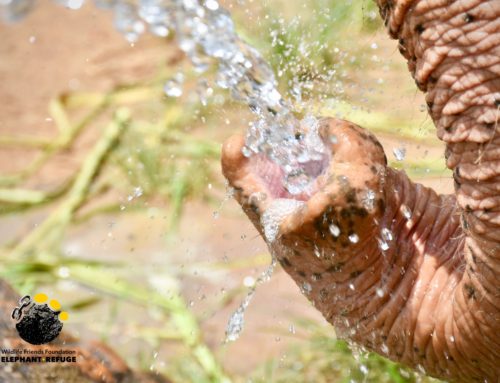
{"x": 112, "y": 198}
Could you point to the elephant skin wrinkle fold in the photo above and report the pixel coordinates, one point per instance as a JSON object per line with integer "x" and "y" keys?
{"x": 394, "y": 266}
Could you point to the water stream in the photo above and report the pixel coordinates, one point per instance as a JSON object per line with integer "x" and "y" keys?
{"x": 206, "y": 33}
{"x": 236, "y": 321}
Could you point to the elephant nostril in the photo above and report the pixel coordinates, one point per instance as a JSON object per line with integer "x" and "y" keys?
{"x": 300, "y": 183}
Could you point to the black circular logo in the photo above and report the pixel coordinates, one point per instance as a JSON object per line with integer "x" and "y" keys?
{"x": 37, "y": 323}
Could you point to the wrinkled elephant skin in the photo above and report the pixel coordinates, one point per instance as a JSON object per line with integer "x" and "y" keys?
{"x": 391, "y": 264}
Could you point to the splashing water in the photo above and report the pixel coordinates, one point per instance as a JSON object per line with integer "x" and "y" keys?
{"x": 206, "y": 33}
{"x": 15, "y": 10}
{"x": 236, "y": 321}
{"x": 399, "y": 153}
{"x": 274, "y": 215}
{"x": 334, "y": 230}
{"x": 271, "y": 221}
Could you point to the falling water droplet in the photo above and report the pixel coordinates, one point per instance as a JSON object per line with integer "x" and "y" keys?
{"x": 63, "y": 272}
{"x": 369, "y": 199}
{"x": 74, "y": 4}
{"x": 386, "y": 234}
{"x": 306, "y": 288}
{"x": 384, "y": 348}
{"x": 420, "y": 369}
{"x": 363, "y": 369}
{"x": 354, "y": 238}
{"x": 405, "y": 374}
{"x": 212, "y": 5}
{"x": 399, "y": 153}
{"x": 334, "y": 230}
{"x": 173, "y": 87}
{"x": 383, "y": 245}
{"x": 406, "y": 211}
{"x": 317, "y": 252}
{"x": 236, "y": 321}
{"x": 246, "y": 151}
{"x": 138, "y": 192}
{"x": 249, "y": 281}
{"x": 204, "y": 91}
{"x": 126, "y": 21}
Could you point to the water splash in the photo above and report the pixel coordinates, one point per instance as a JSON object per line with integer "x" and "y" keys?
{"x": 353, "y": 238}
{"x": 399, "y": 153}
{"x": 334, "y": 230}
{"x": 383, "y": 245}
{"x": 271, "y": 221}
{"x": 173, "y": 87}
{"x": 229, "y": 194}
{"x": 387, "y": 234}
{"x": 206, "y": 33}
{"x": 15, "y": 10}
{"x": 237, "y": 320}
{"x": 406, "y": 211}
{"x": 368, "y": 199}
{"x": 306, "y": 288}
{"x": 274, "y": 215}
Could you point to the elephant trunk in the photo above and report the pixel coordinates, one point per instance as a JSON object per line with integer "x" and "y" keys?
{"x": 453, "y": 53}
